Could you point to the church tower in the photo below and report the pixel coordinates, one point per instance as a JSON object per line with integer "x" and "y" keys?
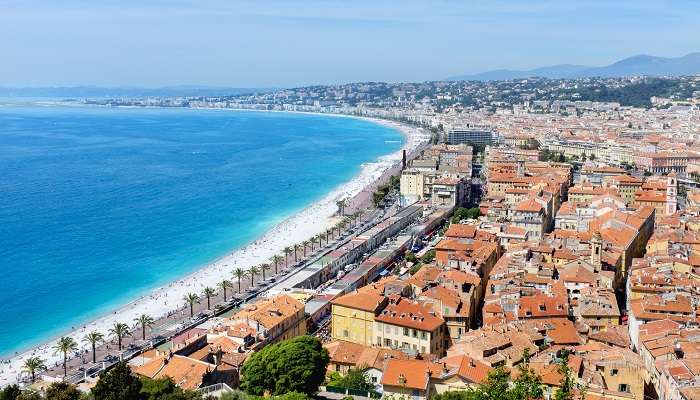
{"x": 597, "y": 251}
{"x": 671, "y": 193}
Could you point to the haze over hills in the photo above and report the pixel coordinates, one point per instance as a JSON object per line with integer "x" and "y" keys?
{"x": 635, "y": 65}
{"x": 106, "y": 92}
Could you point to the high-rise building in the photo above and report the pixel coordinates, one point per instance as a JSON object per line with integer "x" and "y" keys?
{"x": 472, "y": 136}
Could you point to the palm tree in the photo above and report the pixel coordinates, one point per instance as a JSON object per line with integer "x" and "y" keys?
{"x": 32, "y": 365}
{"x": 296, "y": 248}
{"x": 239, "y": 273}
{"x": 191, "y": 299}
{"x": 224, "y": 285}
{"x": 276, "y": 260}
{"x": 329, "y": 234}
{"x": 208, "y": 293}
{"x": 145, "y": 321}
{"x": 287, "y": 251}
{"x": 338, "y": 227}
{"x": 305, "y": 244}
{"x": 119, "y": 331}
{"x": 356, "y": 215}
{"x": 93, "y": 338}
{"x": 321, "y": 237}
{"x": 252, "y": 271}
{"x": 264, "y": 267}
{"x": 65, "y": 345}
{"x": 341, "y": 206}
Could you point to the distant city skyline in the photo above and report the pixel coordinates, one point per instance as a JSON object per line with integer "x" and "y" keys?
{"x": 292, "y": 43}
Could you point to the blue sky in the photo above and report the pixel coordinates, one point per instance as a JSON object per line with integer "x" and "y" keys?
{"x": 266, "y": 43}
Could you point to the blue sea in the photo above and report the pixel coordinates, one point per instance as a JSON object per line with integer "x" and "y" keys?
{"x": 100, "y": 205}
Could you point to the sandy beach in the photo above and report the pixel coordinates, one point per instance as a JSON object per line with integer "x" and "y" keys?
{"x": 301, "y": 226}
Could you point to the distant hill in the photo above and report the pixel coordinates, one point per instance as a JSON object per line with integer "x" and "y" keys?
{"x": 635, "y": 65}
{"x": 128, "y": 92}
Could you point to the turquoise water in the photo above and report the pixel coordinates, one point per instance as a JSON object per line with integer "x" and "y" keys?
{"x": 100, "y": 205}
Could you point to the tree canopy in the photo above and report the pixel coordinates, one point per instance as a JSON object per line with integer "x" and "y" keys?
{"x": 466, "y": 213}
{"x": 294, "y": 365}
{"x": 356, "y": 378}
{"x": 497, "y": 386}
{"x": 62, "y": 391}
{"x": 117, "y": 384}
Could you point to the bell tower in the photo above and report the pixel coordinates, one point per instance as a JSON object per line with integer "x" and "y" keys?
{"x": 671, "y": 193}
{"x": 597, "y": 251}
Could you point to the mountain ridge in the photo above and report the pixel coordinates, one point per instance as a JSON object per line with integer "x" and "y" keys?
{"x": 640, "y": 64}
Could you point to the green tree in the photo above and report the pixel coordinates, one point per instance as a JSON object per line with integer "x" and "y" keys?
{"x": 429, "y": 256}
{"x": 117, "y": 384}
{"x": 410, "y": 257}
{"x": 191, "y": 299}
{"x": 119, "y": 331}
{"x": 465, "y": 213}
{"x": 10, "y": 392}
{"x": 264, "y": 267}
{"x": 528, "y": 384}
{"x": 145, "y": 321}
{"x": 469, "y": 394}
{"x": 209, "y": 292}
{"x": 224, "y": 285}
{"x": 356, "y": 378}
{"x": 305, "y": 244}
{"x": 287, "y": 252}
{"x": 93, "y": 338}
{"x": 239, "y": 273}
{"x": 62, "y": 391}
{"x": 234, "y": 395}
{"x": 252, "y": 271}
{"x": 65, "y": 345}
{"x": 565, "y": 391}
{"x": 165, "y": 389}
{"x": 291, "y": 396}
{"x": 32, "y": 365}
{"x": 294, "y": 365}
{"x": 296, "y": 249}
{"x": 29, "y": 395}
{"x": 341, "y": 206}
{"x": 496, "y": 386}
{"x": 276, "y": 259}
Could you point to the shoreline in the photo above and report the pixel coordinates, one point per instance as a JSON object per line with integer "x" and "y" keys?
{"x": 164, "y": 299}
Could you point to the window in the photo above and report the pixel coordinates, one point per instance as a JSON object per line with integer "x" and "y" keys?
{"x": 345, "y": 333}
{"x": 422, "y": 349}
{"x": 415, "y": 333}
{"x": 379, "y": 340}
{"x": 387, "y": 328}
{"x": 613, "y": 372}
{"x": 387, "y": 342}
{"x": 405, "y": 331}
{"x": 337, "y": 367}
{"x": 374, "y": 379}
{"x": 624, "y": 388}
{"x": 423, "y": 335}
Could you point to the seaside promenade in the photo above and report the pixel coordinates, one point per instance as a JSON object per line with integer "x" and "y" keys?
{"x": 177, "y": 321}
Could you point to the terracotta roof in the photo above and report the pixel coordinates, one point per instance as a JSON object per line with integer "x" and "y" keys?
{"x": 369, "y": 301}
{"x": 187, "y": 373}
{"x": 411, "y": 374}
{"x": 468, "y": 368}
{"x": 410, "y": 314}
